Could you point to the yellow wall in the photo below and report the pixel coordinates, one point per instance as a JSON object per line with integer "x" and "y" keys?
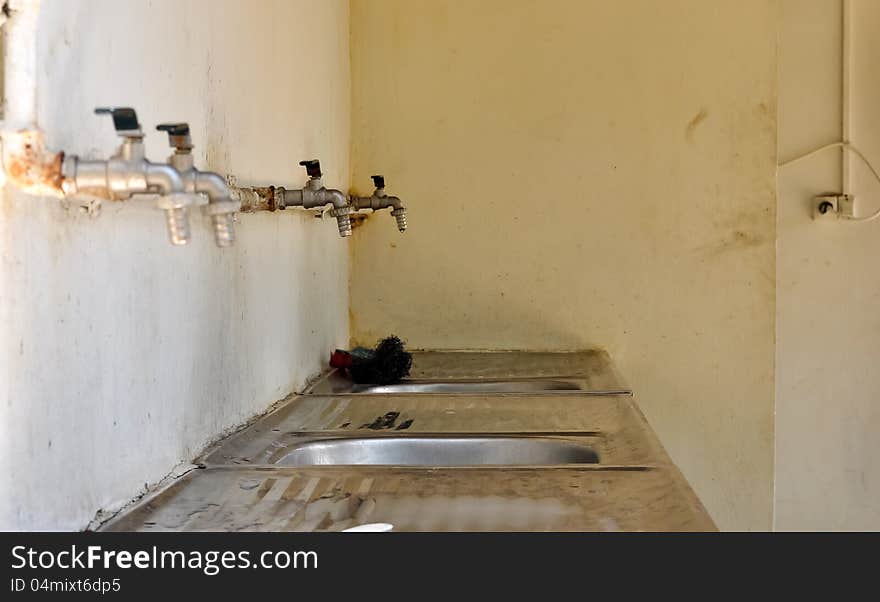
{"x": 580, "y": 174}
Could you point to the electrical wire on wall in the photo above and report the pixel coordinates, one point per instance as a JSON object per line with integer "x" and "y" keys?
{"x": 845, "y": 145}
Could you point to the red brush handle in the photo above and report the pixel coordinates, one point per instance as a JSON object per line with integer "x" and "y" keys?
{"x": 340, "y": 359}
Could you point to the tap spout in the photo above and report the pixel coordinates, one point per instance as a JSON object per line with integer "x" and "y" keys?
{"x": 220, "y": 206}
{"x": 315, "y": 195}
{"x": 163, "y": 178}
{"x": 211, "y": 184}
{"x": 174, "y": 200}
{"x": 380, "y": 200}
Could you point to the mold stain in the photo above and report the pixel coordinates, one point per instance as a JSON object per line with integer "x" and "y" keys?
{"x": 736, "y": 240}
{"x": 744, "y": 230}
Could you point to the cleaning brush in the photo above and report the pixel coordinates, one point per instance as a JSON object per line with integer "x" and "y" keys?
{"x": 388, "y": 363}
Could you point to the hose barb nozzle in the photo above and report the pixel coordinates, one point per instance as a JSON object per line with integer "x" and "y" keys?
{"x": 400, "y": 215}
{"x": 176, "y": 208}
{"x": 223, "y": 221}
{"x": 343, "y": 221}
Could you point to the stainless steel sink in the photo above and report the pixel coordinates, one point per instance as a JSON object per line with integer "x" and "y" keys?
{"x": 439, "y": 451}
{"x": 498, "y": 386}
{"x": 336, "y": 384}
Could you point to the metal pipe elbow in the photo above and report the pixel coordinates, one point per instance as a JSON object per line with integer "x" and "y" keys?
{"x": 397, "y": 210}
{"x": 213, "y": 185}
{"x": 220, "y": 206}
{"x": 164, "y": 178}
{"x": 341, "y": 210}
{"x": 335, "y": 197}
{"x": 393, "y": 202}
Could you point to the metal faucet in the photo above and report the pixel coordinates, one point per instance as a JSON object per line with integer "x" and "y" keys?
{"x": 221, "y": 208}
{"x": 315, "y": 195}
{"x": 380, "y": 200}
{"x": 128, "y": 173}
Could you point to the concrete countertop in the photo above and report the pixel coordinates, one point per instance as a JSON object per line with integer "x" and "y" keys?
{"x": 634, "y": 487}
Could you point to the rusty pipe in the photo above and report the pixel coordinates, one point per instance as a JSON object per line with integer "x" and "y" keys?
{"x": 27, "y": 163}
{"x": 273, "y": 198}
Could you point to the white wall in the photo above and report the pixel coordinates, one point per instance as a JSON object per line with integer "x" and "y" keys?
{"x": 828, "y": 279}
{"x": 121, "y": 356}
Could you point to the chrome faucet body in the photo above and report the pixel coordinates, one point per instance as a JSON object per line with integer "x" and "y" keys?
{"x": 381, "y": 200}
{"x": 128, "y": 172}
{"x": 221, "y": 208}
{"x": 314, "y": 195}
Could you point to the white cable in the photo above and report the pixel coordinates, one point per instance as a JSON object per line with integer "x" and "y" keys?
{"x": 846, "y": 146}
{"x": 800, "y": 158}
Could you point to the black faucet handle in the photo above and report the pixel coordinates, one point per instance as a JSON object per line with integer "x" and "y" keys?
{"x": 124, "y": 118}
{"x": 178, "y": 135}
{"x": 174, "y": 129}
{"x": 313, "y": 167}
{"x": 378, "y": 181}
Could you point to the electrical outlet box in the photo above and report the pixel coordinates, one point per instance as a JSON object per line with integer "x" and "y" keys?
{"x": 846, "y": 205}
{"x": 833, "y": 206}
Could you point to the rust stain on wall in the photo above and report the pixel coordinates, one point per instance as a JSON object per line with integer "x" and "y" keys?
{"x": 30, "y": 167}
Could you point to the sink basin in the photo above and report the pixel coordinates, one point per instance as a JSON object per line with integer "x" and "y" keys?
{"x": 336, "y": 384}
{"x": 439, "y": 451}
{"x": 495, "y": 386}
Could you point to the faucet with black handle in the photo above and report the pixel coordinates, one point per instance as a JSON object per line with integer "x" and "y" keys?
{"x": 220, "y": 208}
{"x": 314, "y": 195}
{"x": 381, "y": 200}
{"x": 128, "y": 172}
